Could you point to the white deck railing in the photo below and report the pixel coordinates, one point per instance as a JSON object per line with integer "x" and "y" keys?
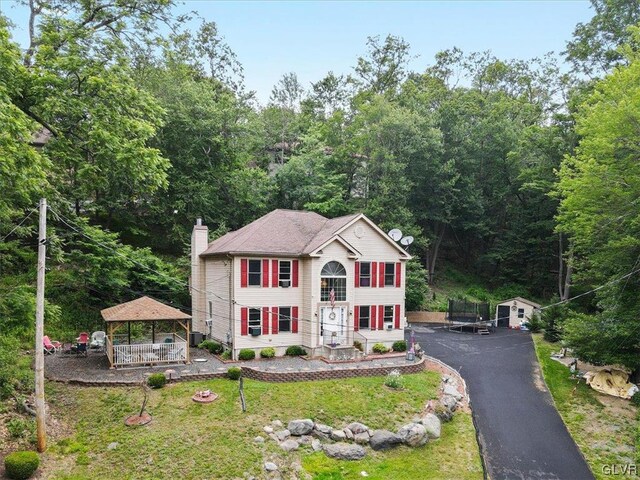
{"x": 148, "y": 353}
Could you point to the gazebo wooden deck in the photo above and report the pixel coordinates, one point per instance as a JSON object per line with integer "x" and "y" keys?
{"x": 153, "y": 340}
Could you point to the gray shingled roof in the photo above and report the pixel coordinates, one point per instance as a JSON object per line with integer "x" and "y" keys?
{"x": 284, "y": 232}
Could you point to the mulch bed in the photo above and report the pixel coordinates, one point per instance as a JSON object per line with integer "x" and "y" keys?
{"x": 135, "y": 420}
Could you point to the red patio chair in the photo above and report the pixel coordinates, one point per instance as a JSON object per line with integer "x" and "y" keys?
{"x": 83, "y": 338}
{"x": 49, "y": 346}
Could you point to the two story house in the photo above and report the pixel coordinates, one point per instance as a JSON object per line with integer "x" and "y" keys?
{"x": 298, "y": 278}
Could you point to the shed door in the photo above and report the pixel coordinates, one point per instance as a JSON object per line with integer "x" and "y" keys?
{"x": 503, "y": 315}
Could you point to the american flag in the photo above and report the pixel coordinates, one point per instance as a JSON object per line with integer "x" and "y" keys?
{"x": 332, "y": 297}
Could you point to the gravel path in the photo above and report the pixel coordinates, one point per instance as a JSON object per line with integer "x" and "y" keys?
{"x": 95, "y": 366}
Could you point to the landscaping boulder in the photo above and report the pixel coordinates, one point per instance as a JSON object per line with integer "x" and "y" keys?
{"x": 413, "y": 434}
{"x": 453, "y": 391}
{"x": 289, "y": 445}
{"x": 300, "y": 427}
{"x": 270, "y": 466}
{"x": 344, "y": 451}
{"x": 357, "y": 427}
{"x": 323, "y": 428}
{"x": 305, "y": 440}
{"x": 283, "y": 435}
{"x": 268, "y": 429}
{"x": 348, "y": 433}
{"x": 276, "y": 424}
{"x": 444, "y": 414}
{"x": 449, "y": 402}
{"x": 259, "y": 439}
{"x": 361, "y": 438}
{"x": 338, "y": 435}
{"x": 432, "y": 425}
{"x": 316, "y": 445}
{"x": 384, "y": 440}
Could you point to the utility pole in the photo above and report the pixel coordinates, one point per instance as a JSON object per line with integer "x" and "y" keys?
{"x": 41, "y": 428}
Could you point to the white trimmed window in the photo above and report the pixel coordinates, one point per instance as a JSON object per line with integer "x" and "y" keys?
{"x": 389, "y": 274}
{"x": 388, "y": 315}
{"x": 365, "y": 274}
{"x": 254, "y": 317}
{"x": 284, "y": 319}
{"x": 364, "y": 317}
{"x": 284, "y": 273}
{"x": 255, "y": 273}
{"x": 521, "y": 313}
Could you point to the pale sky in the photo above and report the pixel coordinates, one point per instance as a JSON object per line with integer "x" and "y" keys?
{"x": 312, "y": 38}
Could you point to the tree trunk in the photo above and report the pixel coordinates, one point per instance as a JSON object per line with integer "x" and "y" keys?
{"x": 432, "y": 255}
{"x": 564, "y": 276}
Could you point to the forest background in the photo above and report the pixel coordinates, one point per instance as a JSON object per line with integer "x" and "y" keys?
{"x": 507, "y": 172}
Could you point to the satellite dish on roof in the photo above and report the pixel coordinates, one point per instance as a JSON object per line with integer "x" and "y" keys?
{"x": 406, "y": 241}
{"x": 396, "y": 234}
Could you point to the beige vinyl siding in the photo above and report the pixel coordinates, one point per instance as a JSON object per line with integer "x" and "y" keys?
{"x": 514, "y": 321}
{"x": 218, "y": 271}
{"x": 258, "y": 297}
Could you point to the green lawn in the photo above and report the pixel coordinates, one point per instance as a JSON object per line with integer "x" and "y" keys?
{"x": 602, "y": 426}
{"x": 188, "y": 440}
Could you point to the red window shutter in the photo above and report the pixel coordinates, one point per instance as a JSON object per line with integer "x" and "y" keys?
{"x": 356, "y": 318}
{"x": 372, "y": 317}
{"x": 265, "y": 320}
{"x": 243, "y": 272}
{"x": 381, "y": 274}
{"x": 265, "y": 272}
{"x": 294, "y": 273}
{"x": 380, "y": 317}
{"x": 374, "y": 274}
{"x": 274, "y": 320}
{"x": 396, "y": 316}
{"x": 357, "y": 276}
{"x": 294, "y": 320}
{"x": 244, "y": 320}
{"x": 398, "y": 274}
{"x": 275, "y": 272}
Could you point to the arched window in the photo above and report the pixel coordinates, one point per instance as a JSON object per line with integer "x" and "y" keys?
{"x": 333, "y": 276}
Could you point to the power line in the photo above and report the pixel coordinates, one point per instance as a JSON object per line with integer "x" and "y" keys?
{"x": 19, "y": 225}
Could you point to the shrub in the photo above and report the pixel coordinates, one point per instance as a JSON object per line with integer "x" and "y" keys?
{"x": 394, "y": 380}
{"x": 157, "y": 380}
{"x": 380, "y": 348}
{"x": 358, "y": 345}
{"x": 21, "y": 465}
{"x": 213, "y": 347}
{"x": 226, "y": 355}
{"x": 246, "y": 354}
{"x": 19, "y": 427}
{"x": 295, "y": 350}
{"x": 399, "y": 346}
{"x": 268, "y": 352}
{"x": 635, "y": 399}
{"x": 534, "y": 324}
{"x": 234, "y": 373}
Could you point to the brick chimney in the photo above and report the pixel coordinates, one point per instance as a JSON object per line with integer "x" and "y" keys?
{"x": 199, "y": 243}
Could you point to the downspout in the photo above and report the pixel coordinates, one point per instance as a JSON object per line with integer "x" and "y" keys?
{"x": 231, "y": 332}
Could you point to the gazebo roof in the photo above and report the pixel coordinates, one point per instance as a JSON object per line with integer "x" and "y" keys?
{"x": 142, "y": 309}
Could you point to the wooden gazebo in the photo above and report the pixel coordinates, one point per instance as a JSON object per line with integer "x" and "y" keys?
{"x": 154, "y": 338}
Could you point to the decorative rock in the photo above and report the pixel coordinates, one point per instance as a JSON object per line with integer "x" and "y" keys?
{"x": 259, "y": 439}
{"x": 283, "y": 435}
{"x": 357, "y": 427}
{"x": 444, "y": 414}
{"x": 361, "y": 438}
{"x": 270, "y": 466}
{"x": 319, "y": 435}
{"x": 449, "y": 402}
{"x": 447, "y": 378}
{"x": 453, "y": 391}
{"x": 316, "y": 445}
{"x": 413, "y": 434}
{"x": 384, "y": 440}
{"x": 268, "y": 430}
{"x": 338, "y": 435}
{"x": 348, "y": 433}
{"x": 273, "y": 437}
{"x": 364, "y": 474}
{"x": 289, "y": 445}
{"x": 323, "y": 428}
{"x": 112, "y": 446}
{"x": 305, "y": 440}
{"x": 300, "y": 427}
{"x": 432, "y": 425}
{"x": 344, "y": 451}
{"x": 276, "y": 424}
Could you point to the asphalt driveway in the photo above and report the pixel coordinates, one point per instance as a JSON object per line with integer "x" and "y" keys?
{"x": 521, "y": 433}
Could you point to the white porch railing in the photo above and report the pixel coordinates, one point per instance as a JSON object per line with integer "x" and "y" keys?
{"x": 332, "y": 339}
{"x": 149, "y": 353}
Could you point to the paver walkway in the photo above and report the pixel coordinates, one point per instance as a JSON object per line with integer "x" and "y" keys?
{"x": 95, "y": 366}
{"x": 521, "y": 433}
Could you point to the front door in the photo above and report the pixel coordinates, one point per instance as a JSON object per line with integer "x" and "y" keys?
{"x": 504, "y": 313}
{"x": 333, "y": 325}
